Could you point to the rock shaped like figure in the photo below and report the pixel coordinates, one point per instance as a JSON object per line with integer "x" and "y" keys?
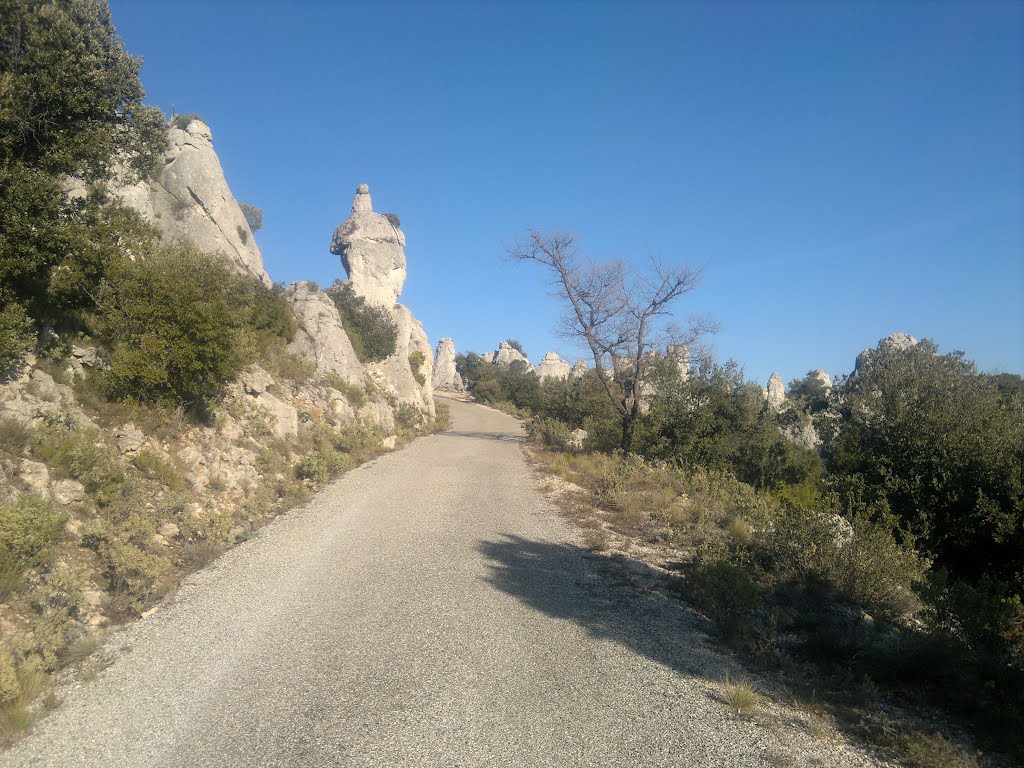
{"x": 189, "y": 201}
{"x": 446, "y": 377}
{"x": 776, "y": 393}
{"x": 372, "y": 251}
{"x": 553, "y": 367}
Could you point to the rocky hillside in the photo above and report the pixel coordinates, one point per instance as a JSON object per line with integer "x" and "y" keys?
{"x": 106, "y": 502}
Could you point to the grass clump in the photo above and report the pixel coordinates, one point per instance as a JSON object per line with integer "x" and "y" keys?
{"x": 371, "y": 329}
{"x": 355, "y": 394}
{"x": 741, "y": 696}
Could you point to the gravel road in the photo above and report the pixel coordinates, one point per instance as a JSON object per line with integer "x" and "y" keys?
{"x": 427, "y": 609}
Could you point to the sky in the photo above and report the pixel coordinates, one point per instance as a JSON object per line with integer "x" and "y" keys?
{"x": 840, "y": 170}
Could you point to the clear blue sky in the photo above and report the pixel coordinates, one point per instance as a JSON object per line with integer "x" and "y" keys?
{"x": 844, "y": 170}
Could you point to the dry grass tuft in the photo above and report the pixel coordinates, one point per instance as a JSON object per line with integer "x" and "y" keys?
{"x": 741, "y": 696}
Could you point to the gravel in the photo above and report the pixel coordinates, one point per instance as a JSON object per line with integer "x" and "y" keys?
{"x": 427, "y": 609}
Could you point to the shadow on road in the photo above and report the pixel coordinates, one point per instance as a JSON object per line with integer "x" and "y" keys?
{"x": 606, "y": 597}
{"x": 504, "y": 437}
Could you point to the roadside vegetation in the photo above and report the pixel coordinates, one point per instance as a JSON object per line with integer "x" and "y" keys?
{"x": 878, "y": 577}
{"x": 96, "y": 529}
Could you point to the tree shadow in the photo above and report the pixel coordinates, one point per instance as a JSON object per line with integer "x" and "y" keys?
{"x": 504, "y": 437}
{"x": 612, "y": 598}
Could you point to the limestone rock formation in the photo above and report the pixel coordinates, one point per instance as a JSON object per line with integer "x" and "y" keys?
{"x": 776, "y": 393}
{"x": 189, "y": 200}
{"x": 819, "y": 375}
{"x": 894, "y": 342}
{"x": 372, "y": 251}
{"x": 395, "y": 375}
{"x": 679, "y": 354}
{"x": 445, "y": 376}
{"x": 553, "y": 367}
{"x": 320, "y": 337}
{"x": 506, "y": 354}
{"x": 579, "y": 369}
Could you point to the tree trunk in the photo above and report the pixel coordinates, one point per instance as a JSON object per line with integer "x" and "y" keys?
{"x": 628, "y": 421}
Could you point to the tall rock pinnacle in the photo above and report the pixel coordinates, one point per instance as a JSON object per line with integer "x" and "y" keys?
{"x": 372, "y": 251}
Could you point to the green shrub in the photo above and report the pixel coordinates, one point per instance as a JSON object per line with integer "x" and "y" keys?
{"x": 355, "y": 394}
{"x": 370, "y": 328}
{"x": 182, "y": 120}
{"x": 416, "y": 361}
{"x": 253, "y": 216}
{"x": 14, "y": 435}
{"x": 180, "y": 325}
{"x": 16, "y": 336}
{"x": 242, "y": 234}
{"x": 549, "y": 432}
{"x": 82, "y": 454}
{"x": 729, "y": 595}
{"x": 29, "y": 528}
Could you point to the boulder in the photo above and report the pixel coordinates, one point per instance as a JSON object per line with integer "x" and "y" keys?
{"x": 576, "y": 438}
{"x": 130, "y": 440}
{"x": 445, "y": 376}
{"x": 372, "y": 252}
{"x": 189, "y": 200}
{"x": 320, "y": 337}
{"x": 553, "y": 367}
{"x": 776, "y": 392}
{"x": 68, "y": 492}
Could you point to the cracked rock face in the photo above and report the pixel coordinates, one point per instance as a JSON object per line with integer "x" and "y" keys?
{"x": 776, "y": 394}
{"x": 553, "y": 367}
{"x": 507, "y": 354}
{"x": 189, "y": 201}
{"x": 372, "y": 251}
{"x": 445, "y": 376}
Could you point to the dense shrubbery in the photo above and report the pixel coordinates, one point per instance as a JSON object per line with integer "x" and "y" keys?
{"x": 370, "y": 328}
{"x": 180, "y": 325}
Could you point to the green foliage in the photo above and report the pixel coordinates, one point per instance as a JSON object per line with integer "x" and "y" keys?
{"x": 82, "y": 454}
{"x": 16, "y": 336}
{"x": 180, "y": 325}
{"x": 516, "y": 346}
{"x": 181, "y": 121}
{"x": 355, "y": 394}
{"x": 29, "y": 528}
{"x": 943, "y": 448}
{"x": 416, "y": 361}
{"x": 253, "y": 216}
{"x": 242, "y": 234}
{"x": 551, "y": 433}
{"x": 408, "y": 417}
{"x": 370, "y": 328}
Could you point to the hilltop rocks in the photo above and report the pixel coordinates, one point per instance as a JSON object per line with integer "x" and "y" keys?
{"x": 819, "y": 375}
{"x": 372, "y": 251}
{"x": 579, "y": 369}
{"x": 320, "y": 337}
{"x": 507, "y": 354}
{"x": 189, "y": 200}
{"x": 553, "y": 367}
{"x": 776, "y": 392}
{"x": 894, "y": 342}
{"x": 679, "y": 354}
{"x": 445, "y": 376}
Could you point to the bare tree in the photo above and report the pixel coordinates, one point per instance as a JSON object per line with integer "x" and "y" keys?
{"x": 620, "y": 314}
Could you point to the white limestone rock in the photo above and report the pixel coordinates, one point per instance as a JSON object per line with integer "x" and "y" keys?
{"x": 189, "y": 200}
{"x": 372, "y": 252}
{"x": 576, "y": 439}
{"x": 819, "y": 375}
{"x": 445, "y": 376}
{"x": 130, "y": 440}
{"x": 320, "y": 337}
{"x": 579, "y": 369}
{"x": 35, "y": 475}
{"x": 553, "y": 367}
{"x": 68, "y": 492}
{"x": 394, "y": 375}
{"x": 894, "y": 342}
{"x": 776, "y": 393}
{"x": 679, "y": 354}
{"x": 506, "y": 354}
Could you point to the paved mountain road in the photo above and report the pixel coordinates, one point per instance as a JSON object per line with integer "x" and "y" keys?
{"x": 427, "y": 609}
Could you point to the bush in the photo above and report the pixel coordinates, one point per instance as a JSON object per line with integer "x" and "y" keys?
{"x": 180, "y": 325}
{"x": 355, "y": 394}
{"x": 416, "y": 361}
{"x": 253, "y": 216}
{"x": 16, "y": 336}
{"x": 549, "y": 432}
{"x": 29, "y": 528}
{"x": 370, "y": 328}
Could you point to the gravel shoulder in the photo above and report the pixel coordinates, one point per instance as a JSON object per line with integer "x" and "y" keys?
{"x": 430, "y": 608}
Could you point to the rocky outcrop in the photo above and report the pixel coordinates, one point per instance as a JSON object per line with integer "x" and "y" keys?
{"x": 506, "y": 354}
{"x": 396, "y": 376}
{"x": 371, "y": 247}
{"x": 321, "y": 338}
{"x": 776, "y": 392}
{"x": 894, "y": 342}
{"x": 579, "y": 369}
{"x": 679, "y": 354}
{"x": 822, "y": 378}
{"x": 445, "y": 377}
{"x": 553, "y": 367}
{"x": 188, "y": 200}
